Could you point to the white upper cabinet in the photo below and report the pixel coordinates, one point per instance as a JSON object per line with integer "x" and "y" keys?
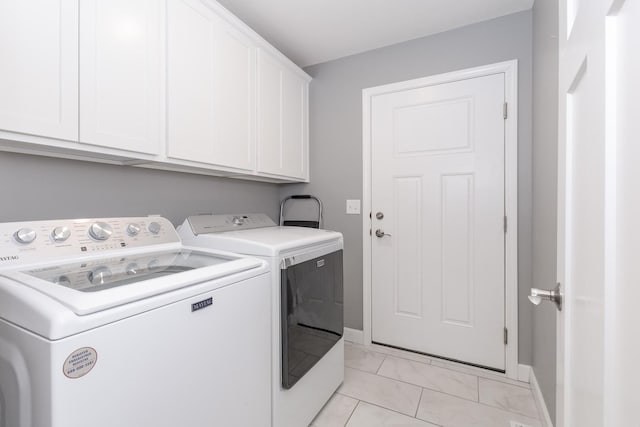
{"x": 39, "y": 67}
{"x": 282, "y": 119}
{"x": 210, "y": 88}
{"x": 171, "y": 84}
{"x": 121, "y": 74}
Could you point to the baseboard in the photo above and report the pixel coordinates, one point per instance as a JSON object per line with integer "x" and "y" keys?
{"x": 537, "y": 395}
{"x": 524, "y": 373}
{"x": 355, "y": 336}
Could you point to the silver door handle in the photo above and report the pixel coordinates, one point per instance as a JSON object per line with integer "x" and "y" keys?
{"x": 554, "y": 295}
{"x": 380, "y": 233}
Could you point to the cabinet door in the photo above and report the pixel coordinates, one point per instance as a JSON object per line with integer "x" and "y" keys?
{"x": 269, "y": 135}
{"x": 120, "y": 74}
{"x": 282, "y": 112}
{"x": 39, "y": 67}
{"x": 210, "y": 88}
{"x": 294, "y": 128}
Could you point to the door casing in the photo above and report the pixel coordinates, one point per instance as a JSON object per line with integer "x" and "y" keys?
{"x": 510, "y": 69}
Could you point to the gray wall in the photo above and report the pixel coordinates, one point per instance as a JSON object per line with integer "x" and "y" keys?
{"x": 336, "y": 133}
{"x": 36, "y": 188}
{"x": 545, "y": 141}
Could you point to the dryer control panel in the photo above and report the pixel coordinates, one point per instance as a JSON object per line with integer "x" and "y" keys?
{"x": 22, "y": 242}
{"x": 205, "y": 224}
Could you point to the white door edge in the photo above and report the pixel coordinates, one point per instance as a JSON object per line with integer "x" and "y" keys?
{"x": 510, "y": 69}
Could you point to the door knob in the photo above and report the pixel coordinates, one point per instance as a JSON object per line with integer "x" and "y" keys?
{"x": 539, "y": 295}
{"x": 380, "y": 233}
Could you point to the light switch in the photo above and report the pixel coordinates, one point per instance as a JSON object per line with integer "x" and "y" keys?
{"x": 353, "y": 207}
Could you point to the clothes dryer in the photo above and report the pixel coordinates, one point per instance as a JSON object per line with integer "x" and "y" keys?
{"x": 307, "y": 300}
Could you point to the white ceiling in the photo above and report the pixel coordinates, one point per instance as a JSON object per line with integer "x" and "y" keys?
{"x": 314, "y": 31}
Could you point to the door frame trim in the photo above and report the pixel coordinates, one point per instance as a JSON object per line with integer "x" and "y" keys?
{"x": 510, "y": 69}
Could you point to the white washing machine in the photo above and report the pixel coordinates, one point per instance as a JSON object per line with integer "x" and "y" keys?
{"x": 307, "y": 298}
{"x": 113, "y": 322}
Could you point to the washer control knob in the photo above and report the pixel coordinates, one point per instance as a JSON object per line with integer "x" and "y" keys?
{"x": 100, "y": 231}
{"x": 63, "y": 281}
{"x": 237, "y": 220}
{"x": 99, "y": 276}
{"x": 25, "y": 235}
{"x": 133, "y": 229}
{"x": 132, "y": 269}
{"x": 60, "y": 234}
{"x": 154, "y": 227}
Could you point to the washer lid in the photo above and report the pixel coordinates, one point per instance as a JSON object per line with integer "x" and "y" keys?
{"x": 267, "y": 241}
{"x": 90, "y": 286}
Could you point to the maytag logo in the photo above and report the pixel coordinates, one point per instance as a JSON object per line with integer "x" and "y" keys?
{"x": 9, "y": 258}
{"x": 201, "y": 304}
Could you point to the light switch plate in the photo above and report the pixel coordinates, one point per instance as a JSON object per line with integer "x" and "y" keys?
{"x": 353, "y": 207}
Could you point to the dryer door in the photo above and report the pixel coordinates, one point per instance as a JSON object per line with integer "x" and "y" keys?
{"x": 311, "y": 313}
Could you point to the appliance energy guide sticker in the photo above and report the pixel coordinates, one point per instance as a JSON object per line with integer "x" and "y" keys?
{"x": 80, "y": 362}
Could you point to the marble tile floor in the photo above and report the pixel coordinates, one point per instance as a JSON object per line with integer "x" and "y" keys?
{"x": 388, "y": 387}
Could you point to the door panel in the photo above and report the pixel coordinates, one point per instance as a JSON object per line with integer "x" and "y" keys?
{"x": 584, "y": 267}
{"x": 457, "y": 248}
{"x": 190, "y": 84}
{"x": 210, "y": 88}
{"x": 408, "y": 257}
{"x": 269, "y": 115}
{"x": 438, "y": 176}
{"x": 120, "y": 74}
{"x": 39, "y": 71}
{"x": 293, "y": 112}
{"x": 282, "y": 119}
{"x": 429, "y": 128}
{"x": 234, "y": 99}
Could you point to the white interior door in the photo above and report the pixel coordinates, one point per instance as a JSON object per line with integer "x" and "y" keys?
{"x": 437, "y": 181}
{"x": 599, "y": 208}
{"x": 582, "y": 230}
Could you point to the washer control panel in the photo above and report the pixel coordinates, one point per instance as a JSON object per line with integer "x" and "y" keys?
{"x": 204, "y": 224}
{"x": 22, "y": 242}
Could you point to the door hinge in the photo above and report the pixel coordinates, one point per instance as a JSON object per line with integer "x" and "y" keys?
{"x": 505, "y": 224}
{"x": 505, "y": 110}
{"x": 506, "y": 336}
